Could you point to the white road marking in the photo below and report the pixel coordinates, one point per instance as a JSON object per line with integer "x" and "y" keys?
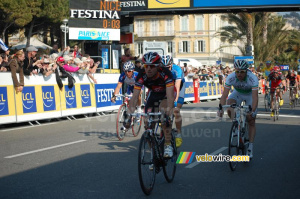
{"x": 213, "y": 153}
{"x": 44, "y": 149}
{"x": 266, "y": 115}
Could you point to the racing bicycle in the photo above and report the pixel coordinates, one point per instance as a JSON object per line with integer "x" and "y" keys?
{"x": 239, "y": 133}
{"x": 121, "y": 117}
{"x": 151, "y": 150}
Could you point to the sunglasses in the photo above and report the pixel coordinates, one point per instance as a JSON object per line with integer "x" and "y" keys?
{"x": 240, "y": 71}
{"x": 151, "y": 66}
{"x": 129, "y": 71}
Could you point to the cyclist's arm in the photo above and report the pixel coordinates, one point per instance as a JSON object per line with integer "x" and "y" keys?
{"x": 177, "y": 86}
{"x": 224, "y": 96}
{"x": 134, "y": 100}
{"x": 117, "y": 89}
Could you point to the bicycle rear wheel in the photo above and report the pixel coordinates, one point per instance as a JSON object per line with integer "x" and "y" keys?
{"x": 136, "y": 127}
{"x": 145, "y": 159}
{"x": 234, "y": 148}
{"x": 120, "y": 121}
{"x": 169, "y": 166}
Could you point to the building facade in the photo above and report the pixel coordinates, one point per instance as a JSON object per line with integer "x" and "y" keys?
{"x": 189, "y": 36}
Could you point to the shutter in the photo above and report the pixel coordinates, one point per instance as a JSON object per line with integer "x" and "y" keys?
{"x": 196, "y": 46}
{"x": 188, "y": 23}
{"x": 189, "y": 46}
{"x": 173, "y": 49}
{"x": 180, "y": 47}
{"x": 136, "y": 48}
{"x": 204, "y": 46}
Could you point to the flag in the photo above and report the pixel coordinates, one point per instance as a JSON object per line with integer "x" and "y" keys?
{"x": 3, "y": 46}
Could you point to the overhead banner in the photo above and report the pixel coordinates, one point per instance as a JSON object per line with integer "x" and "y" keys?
{"x": 152, "y": 4}
{"x": 232, "y": 3}
{"x": 94, "y": 34}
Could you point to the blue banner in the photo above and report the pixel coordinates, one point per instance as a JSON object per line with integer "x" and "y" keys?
{"x": 210, "y": 88}
{"x": 284, "y": 67}
{"x": 3, "y": 101}
{"x": 85, "y": 93}
{"x": 222, "y": 3}
{"x": 28, "y": 99}
{"x": 70, "y": 95}
{"x": 103, "y": 94}
{"x": 203, "y": 89}
{"x": 48, "y": 98}
{"x": 189, "y": 90}
{"x": 249, "y": 59}
{"x": 105, "y": 59}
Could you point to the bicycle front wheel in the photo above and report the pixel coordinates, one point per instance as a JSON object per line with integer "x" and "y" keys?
{"x": 120, "y": 121}
{"x": 234, "y": 148}
{"x": 146, "y": 165}
{"x": 169, "y": 166}
{"x": 137, "y": 124}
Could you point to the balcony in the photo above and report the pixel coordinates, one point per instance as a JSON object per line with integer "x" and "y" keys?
{"x": 156, "y": 33}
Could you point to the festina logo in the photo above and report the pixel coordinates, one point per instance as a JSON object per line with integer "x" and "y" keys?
{"x": 94, "y": 14}
{"x": 132, "y": 4}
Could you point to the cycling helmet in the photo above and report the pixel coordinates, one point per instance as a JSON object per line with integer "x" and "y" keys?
{"x": 166, "y": 60}
{"x": 292, "y": 72}
{"x": 276, "y": 69}
{"x": 151, "y": 58}
{"x": 128, "y": 66}
{"x": 241, "y": 64}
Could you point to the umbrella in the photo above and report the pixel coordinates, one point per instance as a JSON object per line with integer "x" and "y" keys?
{"x": 33, "y": 42}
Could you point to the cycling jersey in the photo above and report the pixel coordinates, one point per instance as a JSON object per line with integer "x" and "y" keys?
{"x": 266, "y": 71}
{"x": 129, "y": 81}
{"x": 159, "y": 83}
{"x": 157, "y": 86}
{"x": 292, "y": 79}
{"x": 275, "y": 81}
{"x": 246, "y": 87}
{"x": 177, "y": 73}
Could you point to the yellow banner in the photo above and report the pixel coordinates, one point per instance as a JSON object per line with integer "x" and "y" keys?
{"x": 168, "y": 3}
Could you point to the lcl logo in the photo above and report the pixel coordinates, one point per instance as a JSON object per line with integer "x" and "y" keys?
{"x": 47, "y": 95}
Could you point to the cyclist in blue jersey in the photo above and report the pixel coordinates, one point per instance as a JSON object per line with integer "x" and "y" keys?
{"x": 178, "y": 77}
{"x": 128, "y": 77}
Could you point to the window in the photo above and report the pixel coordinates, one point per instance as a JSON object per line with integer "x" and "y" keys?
{"x": 184, "y": 23}
{"x": 199, "y": 46}
{"x": 169, "y": 27}
{"x": 199, "y": 22}
{"x": 184, "y": 47}
{"x": 139, "y": 48}
{"x": 154, "y": 27}
{"x": 140, "y": 28}
{"x": 170, "y": 47}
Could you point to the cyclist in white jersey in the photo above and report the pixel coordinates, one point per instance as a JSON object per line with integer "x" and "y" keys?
{"x": 245, "y": 85}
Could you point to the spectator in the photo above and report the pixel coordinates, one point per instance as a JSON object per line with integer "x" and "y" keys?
{"x": 54, "y": 49}
{"x": 16, "y": 66}
{"x": 84, "y": 69}
{"x": 185, "y": 69}
{"x": 4, "y": 65}
{"x": 64, "y": 52}
{"x": 68, "y": 67}
{"x": 76, "y": 52}
{"x": 29, "y": 64}
{"x": 48, "y": 68}
{"x": 138, "y": 66}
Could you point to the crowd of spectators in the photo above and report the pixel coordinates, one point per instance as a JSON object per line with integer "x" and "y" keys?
{"x": 61, "y": 64}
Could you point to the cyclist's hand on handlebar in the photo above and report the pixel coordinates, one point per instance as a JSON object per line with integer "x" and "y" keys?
{"x": 175, "y": 104}
{"x": 113, "y": 99}
{"x": 220, "y": 111}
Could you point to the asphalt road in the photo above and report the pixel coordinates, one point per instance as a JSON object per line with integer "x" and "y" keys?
{"x": 84, "y": 159}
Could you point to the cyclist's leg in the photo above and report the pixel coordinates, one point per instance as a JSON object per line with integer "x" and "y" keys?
{"x": 139, "y": 104}
{"x": 167, "y": 130}
{"x": 233, "y": 99}
{"x": 180, "y": 102}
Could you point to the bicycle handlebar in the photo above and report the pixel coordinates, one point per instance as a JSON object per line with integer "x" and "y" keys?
{"x": 147, "y": 114}
{"x": 238, "y": 106}
{"x": 120, "y": 95}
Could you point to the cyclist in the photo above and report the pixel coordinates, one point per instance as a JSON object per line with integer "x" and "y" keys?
{"x": 298, "y": 79}
{"x": 276, "y": 79}
{"x": 160, "y": 82}
{"x": 128, "y": 77}
{"x": 245, "y": 85}
{"x": 178, "y": 77}
{"x": 292, "y": 81}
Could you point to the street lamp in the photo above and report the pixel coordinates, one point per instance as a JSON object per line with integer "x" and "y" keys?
{"x": 65, "y": 29}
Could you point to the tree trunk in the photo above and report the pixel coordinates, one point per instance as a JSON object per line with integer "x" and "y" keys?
{"x": 250, "y": 31}
{"x": 265, "y": 27}
{"x": 30, "y": 32}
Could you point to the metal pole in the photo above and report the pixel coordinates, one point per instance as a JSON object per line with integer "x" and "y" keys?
{"x": 65, "y": 35}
